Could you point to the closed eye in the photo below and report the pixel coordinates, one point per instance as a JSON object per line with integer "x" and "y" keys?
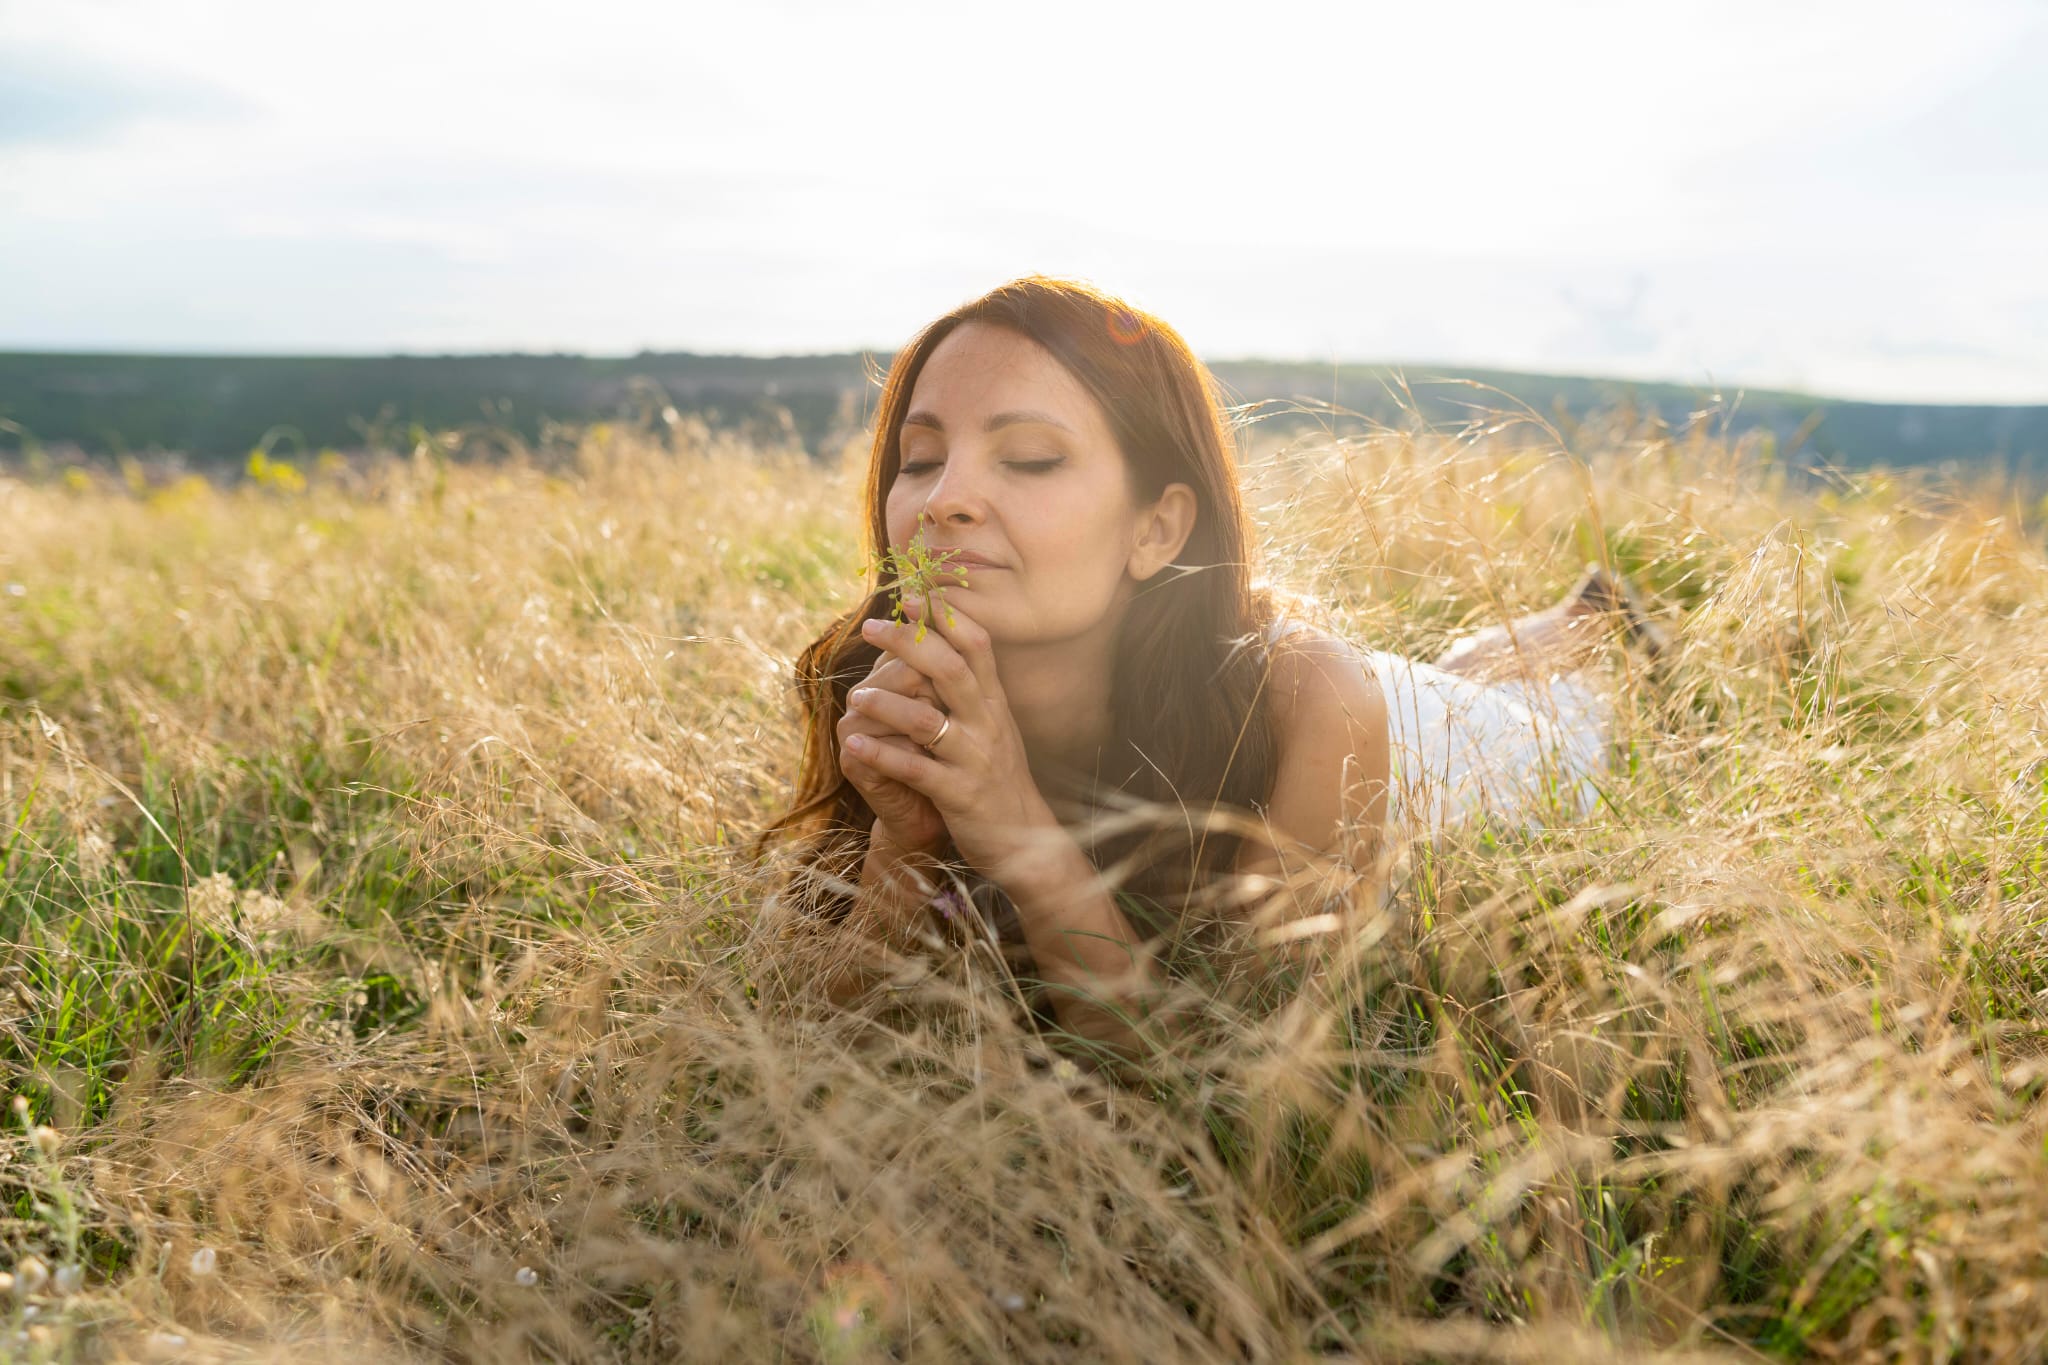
{"x": 917, "y": 467}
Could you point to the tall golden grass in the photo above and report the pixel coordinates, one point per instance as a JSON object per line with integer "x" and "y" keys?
{"x": 381, "y": 952}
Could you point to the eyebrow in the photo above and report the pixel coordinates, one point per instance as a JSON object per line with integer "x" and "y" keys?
{"x": 995, "y": 423}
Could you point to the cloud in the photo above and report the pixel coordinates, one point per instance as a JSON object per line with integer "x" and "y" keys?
{"x": 1620, "y": 328}
{"x": 222, "y": 174}
{"x": 52, "y": 96}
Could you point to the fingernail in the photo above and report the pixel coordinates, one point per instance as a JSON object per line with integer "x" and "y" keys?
{"x": 859, "y": 696}
{"x": 872, "y": 625}
{"x": 857, "y": 743}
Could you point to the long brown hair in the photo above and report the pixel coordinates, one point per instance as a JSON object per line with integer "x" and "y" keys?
{"x": 1192, "y": 729}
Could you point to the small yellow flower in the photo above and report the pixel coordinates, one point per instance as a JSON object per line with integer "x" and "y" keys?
{"x": 920, "y": 575}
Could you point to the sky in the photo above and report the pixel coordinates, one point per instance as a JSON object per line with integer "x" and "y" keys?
{"x": 1845, "y": 198}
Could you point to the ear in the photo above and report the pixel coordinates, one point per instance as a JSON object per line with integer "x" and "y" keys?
{"x": 1163, "y": 528}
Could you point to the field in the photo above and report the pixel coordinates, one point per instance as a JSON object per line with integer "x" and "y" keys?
{"x": 385, "y": 977}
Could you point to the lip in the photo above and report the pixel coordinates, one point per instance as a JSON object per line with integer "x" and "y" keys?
{"x": 967, "y": 559}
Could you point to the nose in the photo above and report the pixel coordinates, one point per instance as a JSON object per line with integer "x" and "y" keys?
{"x": 957, "y": 499}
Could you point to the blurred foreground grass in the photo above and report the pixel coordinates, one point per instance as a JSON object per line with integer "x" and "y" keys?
{"x": 383, "y": 974}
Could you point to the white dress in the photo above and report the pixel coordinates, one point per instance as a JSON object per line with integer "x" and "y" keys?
{"x": 1519, "y": 752}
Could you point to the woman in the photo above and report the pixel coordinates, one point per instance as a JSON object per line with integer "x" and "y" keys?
{"x": 1101, "y": 657}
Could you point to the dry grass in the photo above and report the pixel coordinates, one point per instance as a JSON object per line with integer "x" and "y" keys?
{"x": 376, "y": 939}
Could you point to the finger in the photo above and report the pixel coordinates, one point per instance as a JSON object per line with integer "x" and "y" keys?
{"x": 895, "y": 675}
{"x": 936, "y": 658}
{"x": 857, "y": 724}
{"x": 919, "y": 721}
{"x": 898, "y": 759}
{"x": 854, "y": 723}
{"x": 859, "y": 719}
{"x": 969, "y": 638}
{"x": 865, "y": 777}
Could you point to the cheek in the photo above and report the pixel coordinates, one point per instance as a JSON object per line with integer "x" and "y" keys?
{"x": 1084, "y": 549}
{"x": 1096, "y": 530}
{"x": 899, "y": 519}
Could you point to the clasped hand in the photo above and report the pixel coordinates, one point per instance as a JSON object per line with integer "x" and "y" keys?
{"x": 975, "y": 782}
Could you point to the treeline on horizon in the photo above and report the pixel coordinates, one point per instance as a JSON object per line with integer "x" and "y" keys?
{"x": 207, "y": 412}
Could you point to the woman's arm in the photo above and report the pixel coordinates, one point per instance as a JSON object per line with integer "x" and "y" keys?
{"x": 1101, "y": 980}
{"x": 1332, "y": 776}
{"x": 1334, "y": 764}
{"x": 979, "y": 780}
{"x": 888, "y": 910}
{"x": 1332, "y": 780}
{"x": 1086, "y": 950}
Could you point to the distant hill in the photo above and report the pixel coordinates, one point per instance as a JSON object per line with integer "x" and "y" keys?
{"x": 212, "y": 410}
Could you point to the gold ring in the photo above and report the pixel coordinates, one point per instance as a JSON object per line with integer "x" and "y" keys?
{"x": 945, "y": 724}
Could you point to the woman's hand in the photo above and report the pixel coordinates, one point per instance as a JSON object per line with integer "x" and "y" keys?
{"x": 976, "y": 775}
{"x": 905, "y": 816}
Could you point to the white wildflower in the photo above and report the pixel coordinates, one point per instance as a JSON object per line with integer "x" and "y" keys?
{"x": 69, "y": 1279}
{"x": 263, "y": 912}
{"x": 255, "y": 916}
{"x": 95, "y": 855}
{"x": 526, "y": 1277}
{"x": 330, "y": 1033}
{"x": 212, "y": 901}
{"x": 205, "y": 1261}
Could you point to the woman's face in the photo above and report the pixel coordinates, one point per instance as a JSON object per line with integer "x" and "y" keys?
{"x": 1007, "y": 457}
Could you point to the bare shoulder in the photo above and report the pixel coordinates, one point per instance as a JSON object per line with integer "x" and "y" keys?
{"x": 1322, "y": 684}
{"x": 1331, "y": 722}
